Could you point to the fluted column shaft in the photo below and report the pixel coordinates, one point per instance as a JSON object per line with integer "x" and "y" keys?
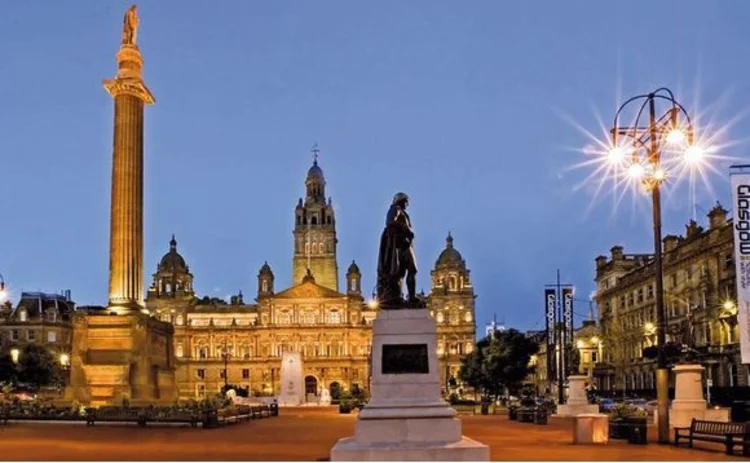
{"x": 126, "y": 226}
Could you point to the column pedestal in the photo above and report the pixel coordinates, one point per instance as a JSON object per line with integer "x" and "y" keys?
{"x": 406, "y": 418}
{"x": 123, "y": 357}
{"x": 689, "y": 402}
{"x": 578, "y": 403}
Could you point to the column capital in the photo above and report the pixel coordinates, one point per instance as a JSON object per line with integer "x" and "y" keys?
{"x": 129, "y": 80}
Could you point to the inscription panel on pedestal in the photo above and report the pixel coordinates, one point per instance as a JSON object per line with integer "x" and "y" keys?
{"x": 404, "y": 359}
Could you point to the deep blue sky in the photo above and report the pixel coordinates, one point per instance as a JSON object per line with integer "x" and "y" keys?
{"x": 460, "y": 104}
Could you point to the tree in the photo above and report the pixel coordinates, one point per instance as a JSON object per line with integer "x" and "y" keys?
{"x": 8, "y": 370}
{"x": 500, "y": 361}
{"x": 38, "y": 367}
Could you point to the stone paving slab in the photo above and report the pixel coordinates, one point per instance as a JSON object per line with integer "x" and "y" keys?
{"x": 308, "y": 434}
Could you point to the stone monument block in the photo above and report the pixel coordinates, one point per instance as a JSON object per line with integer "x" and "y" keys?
{"x": 688, "y": 402}
{"x": 578, "y": 402}
{"x": 406, "y": 418}
{"x": 292, "y": 380}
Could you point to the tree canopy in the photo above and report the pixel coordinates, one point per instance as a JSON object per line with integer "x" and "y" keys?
{"x": 500, "y": 361}
{"x": 37, "y": 367}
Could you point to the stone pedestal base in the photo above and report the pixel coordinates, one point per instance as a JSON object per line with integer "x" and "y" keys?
{"x": 568, "y": 410}
{"x": 466, "y": 449}
{"x": 121, "y": 357}
{"x": 591, "y": 429}
{"x": 406, "y": 418}
{"x": 689, "y": 402}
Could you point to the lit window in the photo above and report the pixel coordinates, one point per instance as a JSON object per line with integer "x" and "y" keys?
{"x": 334, "y": 317}
{"x": 201, "y": 373}
{"x": 178, "y": 350}
{"x": 440, "y": 317}
{"x": 467, "y": 317}
{"x": 180, "y": 320}
{"x": 201, "y": 390}
{"x": 22, "y": 316}
{"x": 31, "y": 334}
{"x": 14, "y": 335}
{"x": 51, "y": 336}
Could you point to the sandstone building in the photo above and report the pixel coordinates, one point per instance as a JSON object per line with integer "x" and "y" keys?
{"x": 700, "y": 299}
{"x": 330, "y": 326}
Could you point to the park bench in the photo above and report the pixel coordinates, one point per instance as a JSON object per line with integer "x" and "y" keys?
{"x": 228, "y": 416}
{"x": 729, "y": 434}
{"x": 115, "y": 415}
{"x": 174, "y": 416}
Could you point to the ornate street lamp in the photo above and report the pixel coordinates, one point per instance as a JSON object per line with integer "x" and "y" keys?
{"x": 646, "y": 151}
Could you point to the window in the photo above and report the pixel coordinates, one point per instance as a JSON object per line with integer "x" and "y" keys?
{"x": 178, "y": 351}
{"x": 264, "y": 286}
{"x": 728, "y": 261}
{"x": 650, "y": 292}
{"x": 22, "y": 316}
{"x": 31, "y": 335}
{"x": 284, "y": 318}
{"x": 586, "y": 357}
{"x": 467, "y": 317}
{"x": 52, "y": 316}
{"x": 14, "y": 335}
{"x": 202, "y": 352}
{"x": 245, "y": 373}
{"x": 640, "y": 295}
{"x": 201, "y": 390}
{"x": 622, "y": 302}
{"x": 689, "y": 274}
{"x": 201, "y": 373}
{"x": 51, "y": 336}
{"x": 180, "y": 320}
{"x": 594, "y": 357}
{"x": 222, "y": 373}
{"x": 440, "y": 317}
{"x": 334, "y": 317}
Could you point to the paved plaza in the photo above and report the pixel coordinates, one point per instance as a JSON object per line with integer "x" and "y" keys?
{"x": 306, "y": 434}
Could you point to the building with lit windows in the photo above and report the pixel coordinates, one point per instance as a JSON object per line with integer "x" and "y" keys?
{"x": 329, "y": 325}
{"x": 699, "y": 298}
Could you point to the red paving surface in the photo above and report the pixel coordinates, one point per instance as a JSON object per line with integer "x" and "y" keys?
{"x": 306, "y": 434}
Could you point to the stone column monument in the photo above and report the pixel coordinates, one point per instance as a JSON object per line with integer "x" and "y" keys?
{"x": 406, "y": 418}
{"x": 124, "y": 354}
{"x": 578, "y": 402}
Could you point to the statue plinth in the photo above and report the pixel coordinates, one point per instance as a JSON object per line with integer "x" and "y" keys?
{"x": 406, "y": 417}
{"x": 122, "y": 357}
{"x": 578, "y": 402}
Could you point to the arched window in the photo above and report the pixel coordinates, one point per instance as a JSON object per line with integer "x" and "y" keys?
{"x": 353, "y": 285}
{"x": 328, "y": 219}
{"x": 284, "y": 318}
{"x": 322, "y": 248}
{"x": 264, "y": 285}
{"x": 22, "y": 315}
{"x": 202, "y": 352}
{"x": 334, "y": 317}
{"x": 452, "y": 282}
{"x": 178, "y": 350}
{"x": 307, "y": 248}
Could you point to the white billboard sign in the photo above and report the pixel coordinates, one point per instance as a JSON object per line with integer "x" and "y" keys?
{"x": 741, "y": 224}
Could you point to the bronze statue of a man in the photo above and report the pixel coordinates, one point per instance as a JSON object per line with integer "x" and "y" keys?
{"x": 396, "y": 258}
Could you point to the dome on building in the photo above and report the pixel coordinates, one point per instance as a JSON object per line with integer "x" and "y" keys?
{"x": 353, "y": 268}
{"x": 450, "y": 257}
{"x": 173, "y": 261}
{"x": 266, "y": 269}
{"x": 315, "y": 172}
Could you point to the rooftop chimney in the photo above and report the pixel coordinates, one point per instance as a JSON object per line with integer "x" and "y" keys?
{"x": 717, "y": 217}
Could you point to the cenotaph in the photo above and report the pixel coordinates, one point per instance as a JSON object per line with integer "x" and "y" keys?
{"x": 406, "y": 417}
{"x": 292, "y": 383}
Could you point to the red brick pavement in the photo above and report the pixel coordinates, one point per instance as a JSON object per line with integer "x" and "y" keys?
{"x": 305, "y": 434}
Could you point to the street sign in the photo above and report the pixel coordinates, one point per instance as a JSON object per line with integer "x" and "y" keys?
{"x": 709, "y": 382}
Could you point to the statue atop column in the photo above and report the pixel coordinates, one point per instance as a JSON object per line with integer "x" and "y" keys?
{"x": 130, "y": 26}
{"x": 396, "y": 258}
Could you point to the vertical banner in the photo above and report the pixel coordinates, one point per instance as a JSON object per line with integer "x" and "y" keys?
{"x": 567, "y": 303}
{"x": 741, "y": 223}
{"x": 550, "y": 315}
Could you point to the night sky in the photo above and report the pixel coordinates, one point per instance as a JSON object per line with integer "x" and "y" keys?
{"x": 470, "y": 107}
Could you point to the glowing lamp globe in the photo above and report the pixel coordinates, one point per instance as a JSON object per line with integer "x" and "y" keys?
{"x": 694, "y": 154}
{"x": 675, "y": 137}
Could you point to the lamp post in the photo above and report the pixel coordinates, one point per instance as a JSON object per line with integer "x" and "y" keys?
{"x": 637, "y": 150}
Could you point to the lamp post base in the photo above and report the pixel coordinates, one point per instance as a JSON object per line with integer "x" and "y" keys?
{"x": 662, "y": 398}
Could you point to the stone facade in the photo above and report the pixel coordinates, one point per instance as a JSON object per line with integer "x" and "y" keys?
{"x": 39, "y": 318}
{"x": 700, "y": 299}
{"x": 331, "y": 329}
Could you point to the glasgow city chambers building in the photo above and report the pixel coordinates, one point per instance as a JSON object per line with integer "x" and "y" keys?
{"x": 328, "y": 325}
